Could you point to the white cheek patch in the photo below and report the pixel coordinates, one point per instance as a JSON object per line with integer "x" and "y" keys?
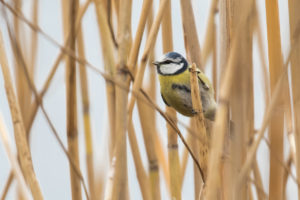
{"x": 170, "y": 68}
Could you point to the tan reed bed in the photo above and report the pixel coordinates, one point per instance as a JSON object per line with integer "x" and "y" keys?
{"x": 224, "y": 152}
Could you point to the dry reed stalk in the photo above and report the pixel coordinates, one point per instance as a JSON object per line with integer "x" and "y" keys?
{"x": 34, "y": 38}
{"x": 174, "y": 167}
{"x": 276, "y": 123}
{"x": 23, "y": 92}
{"x": 199, "y": 122}
{"x": 259, "y": 33}
{"x": 249, "y": 192}
{"x": 292, "y": 144}
{"x": 133, "y": 56}
{"x": 162, "y": 158}
{"x": 140, "y": 170}
{"x": 86, "y": 116}
{"x": 116, "y": 6}
{"x": 294, "y": 7}
{"x": 214, "y": 62}
{"x": 225, "y": 40}
{"x": 198, "y": 181}
{"x": 151, "y": 90}
{"x": 209, "y": 41}
{"x": 225, "y": 8}
{"x": 191, "y": 41}
{"x": 13, "y": 160}
{"x": 220, "y": 128}
{"x": 258, "y": 180}
{"x": 242, "y": 98}
{"x": 120, "y": 182}
{"x": 261, "y": 189}
{"x": 184, "y": 158}
{"x": 69, "y": 13}
{"x": 19, "y": 129}
{"x": 148, "y": 131}
{"x": 286, "y": 174}
{"x": 111, "y": 12}
{"x": 109, "y": 66}
{"x": 7, "y": 185}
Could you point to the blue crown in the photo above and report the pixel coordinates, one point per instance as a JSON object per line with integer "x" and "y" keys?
{"x": 174, "y": 55}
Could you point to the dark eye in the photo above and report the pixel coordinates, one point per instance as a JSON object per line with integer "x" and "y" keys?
{"x": 167, "y": 62}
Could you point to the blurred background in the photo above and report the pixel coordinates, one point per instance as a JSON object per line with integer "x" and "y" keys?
{"x": 49, "y": 160}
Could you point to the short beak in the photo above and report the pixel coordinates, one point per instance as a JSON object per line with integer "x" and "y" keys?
{"x": 155, "y": 63}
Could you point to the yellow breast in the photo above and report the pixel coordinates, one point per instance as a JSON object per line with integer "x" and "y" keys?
{"x": 178, "y": 99}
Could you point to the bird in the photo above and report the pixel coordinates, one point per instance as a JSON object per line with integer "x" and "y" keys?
{"x": 174, "y": 77}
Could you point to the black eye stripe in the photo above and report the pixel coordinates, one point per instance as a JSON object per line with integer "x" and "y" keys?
{"x": 167, "y": 62}
{"x": 170, "y": 61}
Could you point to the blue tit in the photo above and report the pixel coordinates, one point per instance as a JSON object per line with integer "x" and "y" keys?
{"x": 174, "y": 78}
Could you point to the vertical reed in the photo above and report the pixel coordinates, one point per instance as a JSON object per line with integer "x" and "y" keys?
{"x": 200, "y": 123}
{"x": 209, "y": 41}
{"x": 150, "y": 88}
{"x": 191, "y": 41}
{"x": 23, "y": 92}
{"x": 294, "y": 7}
{"x": 174, "y": 167}
{"x": 242, "y": 99}
{"x": 71, "y": 97}
{"x": 140, "y": 171}
{"x": 34, "y": 38}
{"x": 86, "y": 116}
{"x": 276, "y": 124}
{"x": 109, "y": 66}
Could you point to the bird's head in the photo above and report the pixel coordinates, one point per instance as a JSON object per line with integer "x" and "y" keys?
{"x": 170, "y": 64}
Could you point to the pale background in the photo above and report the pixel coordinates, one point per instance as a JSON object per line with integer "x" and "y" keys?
{"x": 50, "y": 163}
